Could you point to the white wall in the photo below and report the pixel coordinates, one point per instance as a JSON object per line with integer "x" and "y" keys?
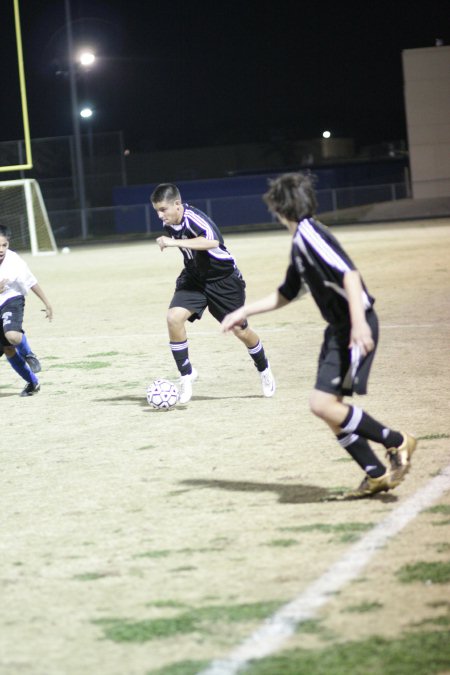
{"x": 426, "y": 74}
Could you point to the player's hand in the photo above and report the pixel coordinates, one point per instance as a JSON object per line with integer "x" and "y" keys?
{"x": 361, "y": 337}
{"x": 232, "y": 320}
{"x": 3, "y": 284}
{"x": 48, "y": 312}
{"x": 164, "y": 242}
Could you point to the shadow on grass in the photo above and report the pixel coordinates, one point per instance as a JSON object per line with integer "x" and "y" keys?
{"x": 224, "y": 398}
{"x": 287, "y": 494}
{"x": 123, "y": 399}
{"x": 143, "y": 401}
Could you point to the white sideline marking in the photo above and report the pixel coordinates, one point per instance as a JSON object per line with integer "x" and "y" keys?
{"x": 280, "y": 626}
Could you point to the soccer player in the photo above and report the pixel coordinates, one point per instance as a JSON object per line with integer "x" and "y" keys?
{"x": 319, "y": 264}
{"x": 209, "y": 279}
{"x": 16, "y": 280}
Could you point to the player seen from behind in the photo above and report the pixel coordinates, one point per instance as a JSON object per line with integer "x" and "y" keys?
{"x": 209, "y": 279}
{"x": 16, "y": 280}
{"x": 319, "y": 264}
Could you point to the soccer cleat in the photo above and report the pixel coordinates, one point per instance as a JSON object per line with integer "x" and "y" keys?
{"x": 370, "y": 486}
{"x": 186, "y": 386}
{"x": 31, "y": 389}
{"x": 33, "y": 362}
{"x": 400, "y": 458}
{"x": 268, "y": 381}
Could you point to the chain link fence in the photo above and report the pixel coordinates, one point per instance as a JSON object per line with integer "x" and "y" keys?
{"x": 230, "y": 213}
{"x": 105, "y": 170}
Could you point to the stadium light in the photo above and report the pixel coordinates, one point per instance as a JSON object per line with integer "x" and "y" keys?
{"x": 326, "y": 134}
{"x": 86, "y": 113}
{"x": 86, "y": 58}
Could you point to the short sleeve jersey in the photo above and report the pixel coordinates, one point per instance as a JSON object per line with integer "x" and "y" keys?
{"x": 318, "y": 264}
{"x": 211, "y": 265}
{"x": 20, "y": 278}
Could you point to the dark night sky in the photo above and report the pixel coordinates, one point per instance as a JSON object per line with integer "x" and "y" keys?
{"x": 180, "y": 73}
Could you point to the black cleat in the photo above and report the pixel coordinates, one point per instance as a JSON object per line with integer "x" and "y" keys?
{"x": 31, "y": 389}
{"x": 33, "y": 362}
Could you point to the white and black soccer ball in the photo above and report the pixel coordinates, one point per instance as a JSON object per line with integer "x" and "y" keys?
{"x": 162, "y": 394}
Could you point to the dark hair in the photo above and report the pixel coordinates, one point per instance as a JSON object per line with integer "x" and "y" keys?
{"x": 292, "y": 196}
{"x": 165, "y": 192}
{"x": 5, "y": 232}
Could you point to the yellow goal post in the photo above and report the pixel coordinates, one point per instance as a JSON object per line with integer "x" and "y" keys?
{"x": 23, "y": 97}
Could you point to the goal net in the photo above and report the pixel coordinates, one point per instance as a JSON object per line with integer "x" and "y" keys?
{"x": 22, "y": 209}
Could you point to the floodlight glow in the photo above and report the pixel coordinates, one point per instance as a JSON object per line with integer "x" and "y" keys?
{"x": 326, "y": 134}
{"x": 85, "y": 113}
{"x": 87, "y": 58}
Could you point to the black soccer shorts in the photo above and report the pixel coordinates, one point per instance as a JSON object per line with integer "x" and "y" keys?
{"x": 11, "y": 317}
{"x": 341, "y": 371}
{"x": 220, "y": 297}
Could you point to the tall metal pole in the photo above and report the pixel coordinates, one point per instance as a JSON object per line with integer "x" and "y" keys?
{"x": 76, "y": 123}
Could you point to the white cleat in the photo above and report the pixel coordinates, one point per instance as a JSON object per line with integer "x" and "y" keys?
{"x": 268, "y": 382}
{"x": 186, "y": 386}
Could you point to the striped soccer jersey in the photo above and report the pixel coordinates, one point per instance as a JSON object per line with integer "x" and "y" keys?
{"x": 212, "y": 265}
{"x": 318, "y": 264}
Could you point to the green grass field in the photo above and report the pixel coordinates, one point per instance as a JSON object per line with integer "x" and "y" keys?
{"x": 139, "y": 542}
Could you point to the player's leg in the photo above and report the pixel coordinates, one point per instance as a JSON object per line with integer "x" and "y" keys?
{"x": 186, "y": 305}
{"x": 337, "y": 376}
{"x": 176, "y": 320}
{"x": 20, "y": 342}
{"x": 11, "y": 316}
{"x": 225, "y": 296}
{"x": 256, "y": 351}
{"x": 21, "y": 367}
{"x": 24, "y": 349}
{"x": 399, "y": 445}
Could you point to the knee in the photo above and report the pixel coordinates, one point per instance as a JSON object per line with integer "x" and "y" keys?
{"x": 319, "y": 406}
{"x": 175, "y": 320}
{"x": 13, "y": 337}
{"x": 241, "y": 332}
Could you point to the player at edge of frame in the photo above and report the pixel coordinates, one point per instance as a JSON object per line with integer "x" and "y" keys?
{"x": 16, "y": 279}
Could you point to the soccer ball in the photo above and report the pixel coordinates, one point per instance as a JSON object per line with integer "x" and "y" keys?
{"x": 162, "y": 394}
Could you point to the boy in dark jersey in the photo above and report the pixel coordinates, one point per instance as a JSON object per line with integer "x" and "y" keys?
{"x": 209, "y": 278}
{"x": 320, "y": 265}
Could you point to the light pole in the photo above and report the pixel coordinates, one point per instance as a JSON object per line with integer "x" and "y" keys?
{"x": 87, "y": 114}
{"x": 76, "y": 124}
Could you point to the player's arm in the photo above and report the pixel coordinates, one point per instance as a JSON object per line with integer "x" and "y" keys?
{"x": 41, "y": 295}
{"x": 360, "y": 333}
{"x": 268, "y": 304}
{"x": 3, "y": 284}
{"x": 195, "y": 244}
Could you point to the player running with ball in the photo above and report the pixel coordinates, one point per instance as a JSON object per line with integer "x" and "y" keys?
{"x": 210, "y": 279}
{"x": 319, "y": 264}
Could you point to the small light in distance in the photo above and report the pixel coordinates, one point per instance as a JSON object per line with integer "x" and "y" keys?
{"x": 326, "y": 134}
